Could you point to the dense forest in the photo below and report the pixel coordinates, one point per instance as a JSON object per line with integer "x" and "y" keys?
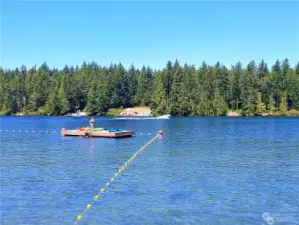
{"x": 177, "y": 90}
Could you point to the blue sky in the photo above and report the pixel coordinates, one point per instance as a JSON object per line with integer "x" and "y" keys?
{"x": 147, "y": 32}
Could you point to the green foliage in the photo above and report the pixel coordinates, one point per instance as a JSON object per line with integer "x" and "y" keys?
{"x": 282, "y": 105}
{"x": 144, "y": 87}
{"x": 114, "y": 111}
{"x": 158, "y": 102}
{"x": 271, "y": 105}
{"x": 176, "y": 90}
{"x": 293, "y": 112}
{"x": 219, "y": 104}
{"x": 205, "y": 108}
{"x": 292, "y": 84}
{"x": 260, "y": 106}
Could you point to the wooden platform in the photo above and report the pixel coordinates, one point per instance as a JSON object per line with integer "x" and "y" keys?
{"x": 101, "y": 134}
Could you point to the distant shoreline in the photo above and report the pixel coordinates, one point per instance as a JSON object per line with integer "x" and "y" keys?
{"x": 241, "y": 116}
{"x": 145, "y": 112}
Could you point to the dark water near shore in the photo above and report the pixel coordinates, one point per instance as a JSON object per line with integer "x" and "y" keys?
{"x": 202, "y": 171}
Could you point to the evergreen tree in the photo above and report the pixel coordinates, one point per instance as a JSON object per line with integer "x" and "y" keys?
{"x": 297, "y": 69}
{"x": 292, "y": 85}
{"x": 188, "y": 92}
{"x": 271, "y": 105}
{"x": 282, "y": 105}
{"x": 219, "y": 105}
{"x": 52, "y": 107}
{"x": 132, "y": 84}
{"x": 277, "y": 82}
{"x": 176, "y": 90}
{"x": 234, "y": 86}
{"x": 92, "y": 99}
{"x": 260, "y": 106}
{"x": 158, "y": 99}
{"x": 263, "y": 81}
{"x": 145, "y": 87}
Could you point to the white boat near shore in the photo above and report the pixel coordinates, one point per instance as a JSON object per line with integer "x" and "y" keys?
{"x": 164, "y": 116}
{"x": 143, "y": 117}
{"x": 77, "y": 114}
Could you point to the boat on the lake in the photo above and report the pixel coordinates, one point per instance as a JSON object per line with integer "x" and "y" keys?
{"x": 164, "y": 116}
{"x": 97, "y": 132}
{"x": 77, "y": 114}
{"x": 144, "y": 118}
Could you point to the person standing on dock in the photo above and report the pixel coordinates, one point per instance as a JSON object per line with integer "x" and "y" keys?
{"x": 91, "y": 123}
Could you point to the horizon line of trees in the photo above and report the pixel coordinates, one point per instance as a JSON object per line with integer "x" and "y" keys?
{"x": 176, "y": 89}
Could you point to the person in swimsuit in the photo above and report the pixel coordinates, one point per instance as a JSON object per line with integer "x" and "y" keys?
{"x": 91, "y": 123}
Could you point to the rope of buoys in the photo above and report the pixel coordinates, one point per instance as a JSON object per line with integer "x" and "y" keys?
{"x": 121, "y": 169}
{"x": 46, "y": 131}
{"x": 26, "y": 131}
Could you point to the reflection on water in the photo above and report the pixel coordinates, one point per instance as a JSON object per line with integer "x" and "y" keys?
{"x": 91, "y": 151}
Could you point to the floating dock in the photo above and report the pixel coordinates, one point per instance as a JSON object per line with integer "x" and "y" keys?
{"x": 99, "y": 133}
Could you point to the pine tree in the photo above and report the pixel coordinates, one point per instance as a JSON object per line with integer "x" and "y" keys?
{"x": 297, "y": 69}
{"x": 271, "y": 105}
{"x": 145, "y": 87}
{"x": 260, "y": 106}
{"x": 188, "y": 92}
{"x": 103, "y": 99}
{"x": 263, "y": 82}
{"x": 92, "y": 96}
{"x": 132, "y": 84}
{"x": 277, "y": 82}
{"x": 292, "y": 85}
{"x": 63, "y": 102}
{"x": 282, "y": 105}
{"x": 176, "y": 90}
{"x": 158, "y": 98}
{"x": 219, "y": 105}
{"x": 52, "y": 108}
{"x": 234, "y": 86}
{"x": 222, "y": 77}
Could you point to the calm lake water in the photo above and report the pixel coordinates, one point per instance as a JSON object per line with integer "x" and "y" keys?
{"x": 202, "y": 171}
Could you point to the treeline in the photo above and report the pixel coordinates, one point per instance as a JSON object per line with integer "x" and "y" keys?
{"x": 176, "y": 89}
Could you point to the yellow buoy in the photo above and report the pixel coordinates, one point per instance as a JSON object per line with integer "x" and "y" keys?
{"x": 88, "y": 206}
{"x": 112, "y": 179}
{"x": 96, "y": 197}
{"x": 107, "y": 185}
{"x": 79, "y": 217}
{"x": 102, "y": 190}
{"x": 116, "y": 174}
{"x": 119, "y": 170}
{"x": 122, "y": 167}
